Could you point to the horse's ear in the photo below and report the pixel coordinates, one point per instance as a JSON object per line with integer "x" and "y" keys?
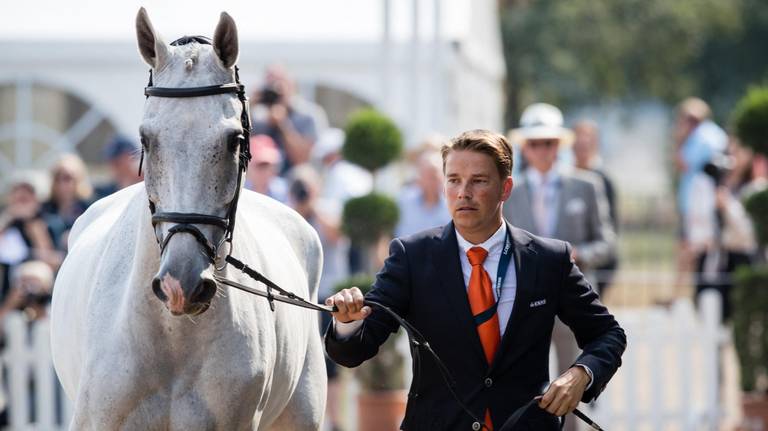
{"x": 225, "y": 40}
{"x": 151, "y": 46}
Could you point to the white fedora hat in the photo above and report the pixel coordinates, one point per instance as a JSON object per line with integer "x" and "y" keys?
{"x": 541, "y": 121}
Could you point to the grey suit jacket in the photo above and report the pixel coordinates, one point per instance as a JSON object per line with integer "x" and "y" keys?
{"x": 582, "y": 216}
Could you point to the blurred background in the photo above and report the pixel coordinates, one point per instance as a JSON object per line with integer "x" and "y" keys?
{"x": 351, "y": 101}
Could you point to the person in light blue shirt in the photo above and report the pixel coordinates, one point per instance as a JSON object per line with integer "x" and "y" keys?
{"x": 422, "y": 204}
{"x": 699, "y": 138}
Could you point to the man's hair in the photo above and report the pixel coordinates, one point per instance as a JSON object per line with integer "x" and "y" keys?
{"x": 493, "y": 144}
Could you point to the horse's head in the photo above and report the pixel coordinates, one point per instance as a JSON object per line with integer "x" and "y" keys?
{"x": 192, "y": 147}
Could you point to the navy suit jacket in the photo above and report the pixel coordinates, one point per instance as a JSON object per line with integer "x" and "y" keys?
{"x": 422, "y": 281}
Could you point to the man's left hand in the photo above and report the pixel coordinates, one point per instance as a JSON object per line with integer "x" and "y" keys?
{"x": 565, "y": 392}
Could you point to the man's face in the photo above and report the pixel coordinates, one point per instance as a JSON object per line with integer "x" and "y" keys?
{"x": 541, "y": 153}
{"x": 260, "y": 173}
{"x": 474, "y": 191}
{"x": 584, "y": 146}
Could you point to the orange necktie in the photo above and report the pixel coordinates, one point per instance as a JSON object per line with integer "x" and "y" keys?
{"x": 483, "y": 308}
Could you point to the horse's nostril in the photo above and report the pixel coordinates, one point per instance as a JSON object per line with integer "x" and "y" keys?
{"x": 158, "y": 290}
{"x": 204, "y": 291}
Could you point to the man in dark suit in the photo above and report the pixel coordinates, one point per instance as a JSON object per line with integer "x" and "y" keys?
{"x": 494, "y": 336}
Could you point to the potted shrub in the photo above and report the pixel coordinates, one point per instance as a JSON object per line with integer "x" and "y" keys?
{"x": 382, "y": 399}
{"x": 372, "y": 141}
{"x": 750, "y": 293}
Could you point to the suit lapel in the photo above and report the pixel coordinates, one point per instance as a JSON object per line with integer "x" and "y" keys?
{"x": 447, "y": 257}
{"x": 525, "y": 272}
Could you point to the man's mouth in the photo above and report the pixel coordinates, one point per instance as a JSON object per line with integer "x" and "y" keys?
{"x": 466, "y": 209}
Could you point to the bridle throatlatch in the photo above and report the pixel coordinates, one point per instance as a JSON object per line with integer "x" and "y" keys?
{"x": 186, "y": 222}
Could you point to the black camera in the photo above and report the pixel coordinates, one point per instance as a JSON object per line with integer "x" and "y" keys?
{"x": 299, "y": 191}
{"x": 270, "y": 95}
{"x": 718, "y": 168}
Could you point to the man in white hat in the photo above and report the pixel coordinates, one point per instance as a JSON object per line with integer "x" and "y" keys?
{"x": 567, "y": 206}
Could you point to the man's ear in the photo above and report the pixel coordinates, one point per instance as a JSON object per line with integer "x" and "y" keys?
{"x": 506, "y": 188}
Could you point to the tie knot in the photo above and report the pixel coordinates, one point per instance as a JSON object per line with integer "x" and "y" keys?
{"x": 477, "y": 255}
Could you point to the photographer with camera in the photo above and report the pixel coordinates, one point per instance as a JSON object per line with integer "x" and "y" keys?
{"x": 719, "y": 231}
{"x": 31, "y": 286}
{"x": 277, "y": 115}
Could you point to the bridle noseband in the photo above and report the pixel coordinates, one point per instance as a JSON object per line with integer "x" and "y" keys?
{"x": 185, "y": 222}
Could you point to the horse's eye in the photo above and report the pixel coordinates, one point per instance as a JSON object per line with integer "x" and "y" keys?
{"x": 144, "y": 142}
{"x": 235, "y": 140}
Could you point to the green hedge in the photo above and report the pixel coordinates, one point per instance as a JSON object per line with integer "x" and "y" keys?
{"x": 750, "y": 324}
{"x": 757, "y": 207}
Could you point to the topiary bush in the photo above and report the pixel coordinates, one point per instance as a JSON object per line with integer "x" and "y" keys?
{"x": 367, "y": 218}
{"x": 750, "y": 119}
{"x": 373, "y": 140}
{"x": 750, "y": 325}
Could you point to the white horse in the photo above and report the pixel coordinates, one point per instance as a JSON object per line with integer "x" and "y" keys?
{"x": 133, "y": 344}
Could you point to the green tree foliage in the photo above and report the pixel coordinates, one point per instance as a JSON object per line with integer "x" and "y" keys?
{"x": 577, "y": 51}
{"x": 373, "y": 140}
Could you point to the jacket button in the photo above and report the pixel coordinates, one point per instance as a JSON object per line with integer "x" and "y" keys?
{"x": 476, "y": 426}
{"x": 488, "y": 382}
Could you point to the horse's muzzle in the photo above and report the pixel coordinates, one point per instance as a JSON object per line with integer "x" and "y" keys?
{"x": 179, "y": 301}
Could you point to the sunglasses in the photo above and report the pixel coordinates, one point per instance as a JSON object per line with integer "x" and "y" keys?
{"x": 542, "y": 143}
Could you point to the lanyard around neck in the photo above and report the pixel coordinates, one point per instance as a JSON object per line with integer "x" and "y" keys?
{"x": 506, "y": 257}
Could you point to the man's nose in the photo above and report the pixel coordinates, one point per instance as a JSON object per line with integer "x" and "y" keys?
{"x": 465, "y": 191}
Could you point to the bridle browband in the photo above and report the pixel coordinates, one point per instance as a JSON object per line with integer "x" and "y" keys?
{"x": 186, "y": 221}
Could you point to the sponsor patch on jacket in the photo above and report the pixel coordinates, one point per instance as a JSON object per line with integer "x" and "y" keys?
{"x": 538, "y": 303}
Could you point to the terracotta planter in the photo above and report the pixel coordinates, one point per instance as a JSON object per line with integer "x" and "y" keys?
{"x": 755, "y": 412}
{"x": 381, "y": 411}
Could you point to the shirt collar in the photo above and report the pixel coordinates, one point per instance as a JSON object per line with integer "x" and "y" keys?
{"x": 535, "y": 177}
{"x": 491, "y": 245}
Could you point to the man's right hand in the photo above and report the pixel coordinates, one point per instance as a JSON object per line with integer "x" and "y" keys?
{"x": 350, "y": 305}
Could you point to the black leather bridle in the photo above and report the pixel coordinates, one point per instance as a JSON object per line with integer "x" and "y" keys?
{"x": 185, "y": 222}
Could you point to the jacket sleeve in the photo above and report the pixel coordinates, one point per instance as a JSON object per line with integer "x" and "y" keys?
{"x": 597, "y": 332}
{"x": 602, "y": 243}
{"x": 391, "y": 289}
